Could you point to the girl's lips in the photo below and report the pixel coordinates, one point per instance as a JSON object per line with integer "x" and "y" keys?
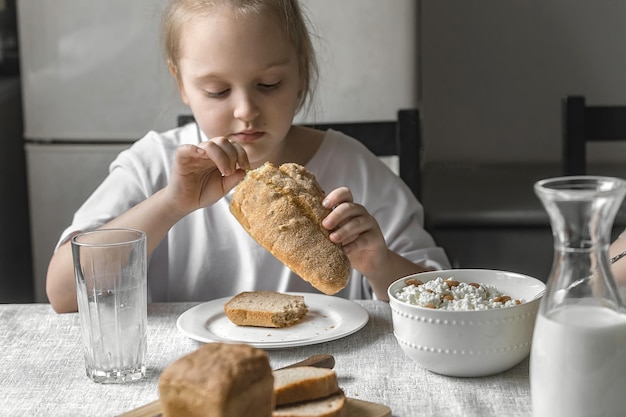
{"x": 246, "y": 137}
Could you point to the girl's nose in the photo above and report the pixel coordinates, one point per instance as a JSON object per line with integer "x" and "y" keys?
{"x": 246, "y": 108}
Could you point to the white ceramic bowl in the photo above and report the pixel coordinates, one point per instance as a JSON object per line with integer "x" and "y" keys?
{"x": 468, "y": 343}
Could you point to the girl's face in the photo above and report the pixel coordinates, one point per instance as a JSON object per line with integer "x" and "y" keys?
{"x": 240, "y": 77}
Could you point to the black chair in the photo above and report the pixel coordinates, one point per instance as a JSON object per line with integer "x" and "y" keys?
{"x": 582, "y": 124}
{"x": 401, "y": 138}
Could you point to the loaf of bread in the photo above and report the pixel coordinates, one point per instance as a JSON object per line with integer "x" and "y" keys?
{"x": 218, "y": 380}
{"x": 333, "y": 406}
{"x": 265, "y": 309}
{"x": 281, "y": 208}
{"x": 304, "y": 383}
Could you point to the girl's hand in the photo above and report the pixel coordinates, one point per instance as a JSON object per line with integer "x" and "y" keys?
{"x": 205, "y": 173}
{"x": 356, "y": 230}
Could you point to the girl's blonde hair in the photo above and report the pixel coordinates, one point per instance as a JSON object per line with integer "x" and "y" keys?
{"x": 287, "y": 13}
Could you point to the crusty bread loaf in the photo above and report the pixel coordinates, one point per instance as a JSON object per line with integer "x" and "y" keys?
{"x": 265, "y": 309}
{"x": 218, "y": 380}
{"x": 333, "y": 406}
{"x": 281, "y": 208}
{"x": 304, "y": 383}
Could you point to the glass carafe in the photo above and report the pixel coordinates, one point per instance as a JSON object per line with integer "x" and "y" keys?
{"x": 578, "y": 353}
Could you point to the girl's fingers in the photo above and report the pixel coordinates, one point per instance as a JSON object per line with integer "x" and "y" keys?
{"x": 222, "y": 152}
{"x": 190, "y": 156}
{"x": 229, "y": 182}
{"x": 340, "y": 201}
{"x": 341, "y": 214}
{"x": 350, "y": 229}
{"x": 337, "y": 196}
{"x": 227, "y": 156}
{"x": 242, "y": 157}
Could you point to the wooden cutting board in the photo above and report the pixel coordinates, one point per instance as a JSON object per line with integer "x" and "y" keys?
{"x": 359, "y": 408}
{"x": 356, "y": 408}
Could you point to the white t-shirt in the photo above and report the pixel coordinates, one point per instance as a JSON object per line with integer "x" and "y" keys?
{"x": 208, "y": 255}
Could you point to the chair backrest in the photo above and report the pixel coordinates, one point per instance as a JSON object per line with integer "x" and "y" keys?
{"x": 401, "y": 138}
{"x": 582, "y": 124}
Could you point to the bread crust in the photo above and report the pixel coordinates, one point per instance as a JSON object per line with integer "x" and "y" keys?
{"x": 218, "y": 380}
{"x": 281, "y": 208}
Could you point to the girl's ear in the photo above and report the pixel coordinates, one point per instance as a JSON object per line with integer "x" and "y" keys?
{"x": 174, "y": 71}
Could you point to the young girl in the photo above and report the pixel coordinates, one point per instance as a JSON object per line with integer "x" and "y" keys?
{"x": 244, "y": 67}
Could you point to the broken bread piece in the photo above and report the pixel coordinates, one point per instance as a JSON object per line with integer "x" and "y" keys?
{"x": 265, "y": 309}
{"x": 281, "y": 208}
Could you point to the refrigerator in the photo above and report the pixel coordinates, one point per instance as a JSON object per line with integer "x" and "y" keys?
{"x": 16, "y": 284}
{"x": 94, "y": 80}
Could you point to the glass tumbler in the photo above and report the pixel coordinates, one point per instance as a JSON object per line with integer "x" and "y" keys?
{"x": 111, "y": 288}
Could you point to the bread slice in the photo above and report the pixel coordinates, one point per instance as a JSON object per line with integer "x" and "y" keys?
{"x": 265, "y": 309}
{"x": 218, "y": 380}
{"x": 333, "y": 406}
{"x": 303, "y": 383}
{"x": 281, "y": 208}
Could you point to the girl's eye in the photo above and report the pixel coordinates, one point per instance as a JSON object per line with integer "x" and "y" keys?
{"x": 271, "y": 86}
{"x": 217, "y": 94}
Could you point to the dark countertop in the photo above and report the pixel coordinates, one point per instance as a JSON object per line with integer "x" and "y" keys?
{"x": 493, "y": 195}
{"x": 9, "y": 88}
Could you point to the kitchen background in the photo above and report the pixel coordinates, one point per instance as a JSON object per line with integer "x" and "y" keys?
{"x": 487, "y": 76}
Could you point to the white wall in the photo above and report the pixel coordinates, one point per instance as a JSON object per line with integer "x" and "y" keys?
{"x": 493, "y": 73}
{"x": 97, "y": 72}
{"x": 368, "y": 58}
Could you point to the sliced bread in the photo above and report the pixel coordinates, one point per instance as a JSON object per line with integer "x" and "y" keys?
{"x": 265, "y": 309}
{"x": 293, "y": 385}
{"x": 333, "y": 406}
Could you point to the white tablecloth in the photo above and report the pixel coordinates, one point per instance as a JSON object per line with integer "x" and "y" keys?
{"x": 42, "y": 369}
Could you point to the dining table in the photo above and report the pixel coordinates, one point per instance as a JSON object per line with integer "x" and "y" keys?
{"x": 42, "y": 370}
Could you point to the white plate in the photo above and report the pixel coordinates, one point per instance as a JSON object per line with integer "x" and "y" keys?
{"x": 328, "y": 318}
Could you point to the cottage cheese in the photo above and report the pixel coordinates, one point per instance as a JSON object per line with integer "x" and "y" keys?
{"x": 450, "y": 294}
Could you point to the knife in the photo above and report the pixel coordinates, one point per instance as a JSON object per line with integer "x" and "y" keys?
{"x": 153, "y": 409}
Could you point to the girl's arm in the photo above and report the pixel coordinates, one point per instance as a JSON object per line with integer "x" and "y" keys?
{"x": 201, "y": 175}
{"x": 154, "y": 216}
